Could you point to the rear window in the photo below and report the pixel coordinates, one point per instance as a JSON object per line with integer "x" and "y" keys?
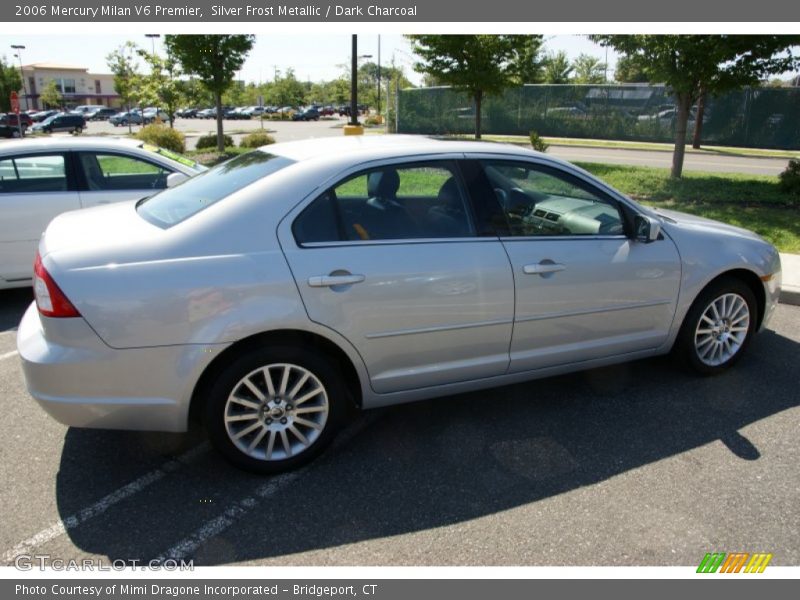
{"x": 177, "y": 204}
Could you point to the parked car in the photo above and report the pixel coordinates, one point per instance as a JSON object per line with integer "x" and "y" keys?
{"x": 69, "y": 122}
{"x": 12, "y": 120}
{"x": 7, "y": 131}
{"x": 327, "y": 111}
{"x": 123, "y": 118}
{"x": 84, "y": 109}
{"x": 207, "y": 113}
{"x": 308, "y": 114}
{"x": 150, "y": 115}
{"x": 102, "y": 114}
{"x": 40, "y": 179}
{"x": 254, "y": 111}
{"x": 395, "y": 269}
{"x": 41, "y": 115}
{"x": 187, "y": 112}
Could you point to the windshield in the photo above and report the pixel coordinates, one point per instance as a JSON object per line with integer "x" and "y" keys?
{"x": 49, "y": 119}
{"x": 177, "y": 204}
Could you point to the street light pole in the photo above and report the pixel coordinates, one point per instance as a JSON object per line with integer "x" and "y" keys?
{"x": 19, "y": 48}
{"x": 379, "y": 74}
{"x": 152, "y": 37}
{"x": 354, "y": 82}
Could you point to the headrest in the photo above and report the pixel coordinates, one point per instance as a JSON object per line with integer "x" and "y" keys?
{"x": 383, "y": 184}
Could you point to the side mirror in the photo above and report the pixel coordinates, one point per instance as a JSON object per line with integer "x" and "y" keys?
{"x": 175, "y": 178}
{"x": 647, "y": 228}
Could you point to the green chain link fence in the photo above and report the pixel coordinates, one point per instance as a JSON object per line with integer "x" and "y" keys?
{"x": 753, "y": 117}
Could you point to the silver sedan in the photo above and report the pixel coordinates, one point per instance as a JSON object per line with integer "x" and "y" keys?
{"x": 272, "y": 293}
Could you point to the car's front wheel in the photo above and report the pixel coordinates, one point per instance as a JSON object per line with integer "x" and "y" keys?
{"x": 275, "y": 409}
{"x": 77, "y": 130}
{"x": 718, "y": 326}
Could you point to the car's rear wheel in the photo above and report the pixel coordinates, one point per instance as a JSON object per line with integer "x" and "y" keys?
{"x": 275, "y": 409}
{"x": 77, "y": 130}
{"x": 718, "y": 327}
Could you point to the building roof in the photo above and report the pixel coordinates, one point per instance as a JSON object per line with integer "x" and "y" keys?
{"x": 54, "y": 67}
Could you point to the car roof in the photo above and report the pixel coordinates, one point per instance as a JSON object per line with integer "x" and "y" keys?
{"x": 368, "y": 147}
{"x": 68, "y": 143}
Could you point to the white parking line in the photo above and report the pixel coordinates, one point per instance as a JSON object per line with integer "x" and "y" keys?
{"x": 60, "y": 527}
{"x": 8, "y": 354}
{"x": 238, "y": 509}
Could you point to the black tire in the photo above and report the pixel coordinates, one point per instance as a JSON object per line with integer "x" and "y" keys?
{"x": 77, "y": 130}
{"x": 686, "y": 346}
{"x": 216, "y": 406}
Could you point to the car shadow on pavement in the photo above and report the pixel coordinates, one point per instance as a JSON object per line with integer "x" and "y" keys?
{"x": 420, "y": 466}
{"x": 13, "y": 304}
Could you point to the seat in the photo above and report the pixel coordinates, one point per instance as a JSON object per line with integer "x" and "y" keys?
{"x": 447, "y": 217}
{"x": 383, "y": 217}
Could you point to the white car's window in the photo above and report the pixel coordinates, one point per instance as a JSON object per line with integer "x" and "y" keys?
{"x": 121, "y": 172}
{"x": 30, "y": 174}
{"x": 178, "y": 203}
{"x": 538, "y": 201}
{"x": 423, "y": 200}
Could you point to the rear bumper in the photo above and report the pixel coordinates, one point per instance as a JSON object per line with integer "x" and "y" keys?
{"x": 81, "y": 382}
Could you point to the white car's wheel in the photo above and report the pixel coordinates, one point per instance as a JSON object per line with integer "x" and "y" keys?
{"x": 275, "y": 408}
{"x": 718, "y": 326}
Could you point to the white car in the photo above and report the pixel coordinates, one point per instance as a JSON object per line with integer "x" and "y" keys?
{"x": 40, "y": 179}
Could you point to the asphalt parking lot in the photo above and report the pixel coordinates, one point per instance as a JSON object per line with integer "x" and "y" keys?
{"x": 640, "y": 464}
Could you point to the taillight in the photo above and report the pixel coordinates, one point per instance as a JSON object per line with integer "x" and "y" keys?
{"x": 50, "y": 300}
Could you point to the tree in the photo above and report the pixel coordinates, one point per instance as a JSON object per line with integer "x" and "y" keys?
{"x": 286, "y": 90}
{"x": 588, "y": 69}
{"x": 160, "y": 87}
{"x": 557, "y": 68}
{"x": 126, "y": 76}
{"x": 215, "y": 60}
{"x": 531, "y": 61}
{"x": 10, "y": 81}
{"x": 629, "y": 70}
{"x": 694, "y": 66}
{"x": 476, "y": 64}
{"x": 51, "y": 96}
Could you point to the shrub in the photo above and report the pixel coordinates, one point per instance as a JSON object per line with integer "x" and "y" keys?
{"x": 537, "y": 143}
{"x": 210, "y": 141}
{"x": 256, "y": 140}
{"x": 790, "y": 178}
{"x": 163, "y": 136}
{"x": 373, "y": 120}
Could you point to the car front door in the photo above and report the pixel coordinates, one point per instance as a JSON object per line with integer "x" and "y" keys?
{"x": 34, "y": 189}
{"x": 585, "y": 289}
{"x": 114, "y": 177}
{"x": 389, "y": 258}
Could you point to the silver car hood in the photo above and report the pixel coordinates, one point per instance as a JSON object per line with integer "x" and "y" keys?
{"x": 686, "y": 221}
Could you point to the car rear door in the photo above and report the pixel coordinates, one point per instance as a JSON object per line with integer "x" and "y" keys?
{"x": 108, "y": 176}
{"x": 585, "y": 289}
{"x": 34, "y": 188}
{"x": 390, "y": 258}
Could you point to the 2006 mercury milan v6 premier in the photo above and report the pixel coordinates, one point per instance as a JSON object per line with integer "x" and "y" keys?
{"x": 274, "y": 291}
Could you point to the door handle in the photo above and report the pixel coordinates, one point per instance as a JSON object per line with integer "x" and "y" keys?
{"x": 543, "y": 268}
{"x": 334, "y": 280}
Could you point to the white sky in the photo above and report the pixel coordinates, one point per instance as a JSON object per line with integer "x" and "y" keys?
{"x": 317, "y": 57}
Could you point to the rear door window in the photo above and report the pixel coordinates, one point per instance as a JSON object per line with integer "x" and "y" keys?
{"x": 392, "y": 202}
